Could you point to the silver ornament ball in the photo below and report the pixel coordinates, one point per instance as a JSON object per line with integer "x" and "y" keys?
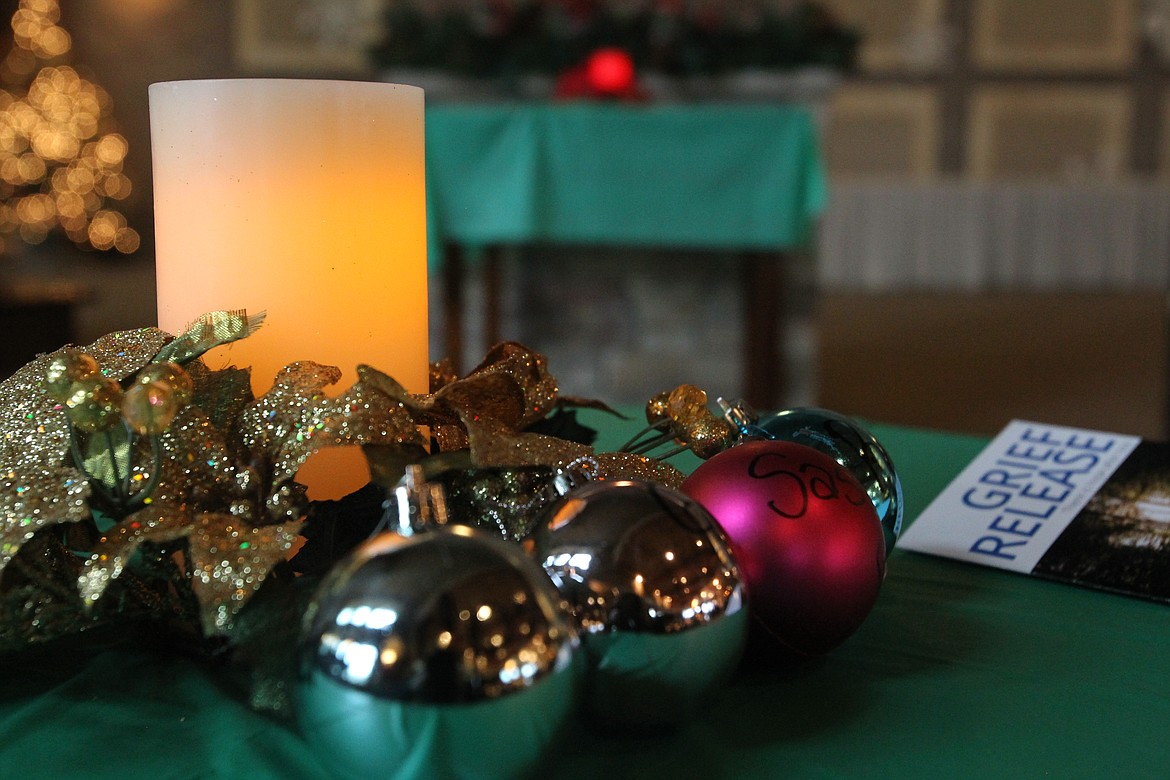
{"x": 650, "y": 579}
{"x": 445, "y": 653}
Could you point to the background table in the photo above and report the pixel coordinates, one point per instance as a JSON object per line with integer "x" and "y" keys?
{"x": 959, "y": 672}
{"x": 724, "y": 176}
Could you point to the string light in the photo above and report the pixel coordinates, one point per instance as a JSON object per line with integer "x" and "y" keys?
{"x": 60, "y": 165}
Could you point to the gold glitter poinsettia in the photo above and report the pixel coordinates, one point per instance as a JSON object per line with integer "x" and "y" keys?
{"x": 40, "y": 486}
{"x": 232, "y": 495}
{"x": 225, "y": 507}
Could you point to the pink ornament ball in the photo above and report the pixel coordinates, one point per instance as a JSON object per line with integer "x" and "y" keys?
{"x": 807, "y": 538}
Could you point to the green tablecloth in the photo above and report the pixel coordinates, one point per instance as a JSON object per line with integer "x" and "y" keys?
{"x": 710, "y": 176}
{"x": 960, "y": 672}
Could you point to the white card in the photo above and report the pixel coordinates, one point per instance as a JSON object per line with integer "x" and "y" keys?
{"x": 1008, "y": 506}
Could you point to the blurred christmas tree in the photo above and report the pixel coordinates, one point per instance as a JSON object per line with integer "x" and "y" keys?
{"x": 60, "y": 156}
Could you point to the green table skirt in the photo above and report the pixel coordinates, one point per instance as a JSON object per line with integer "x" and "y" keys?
{"x": 700, "y": 176}
{"x": 959, "y": 672}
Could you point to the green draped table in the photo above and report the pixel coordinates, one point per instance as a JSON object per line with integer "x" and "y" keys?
{"x": 959, "y": 672}
{"x": 738, "y": 177}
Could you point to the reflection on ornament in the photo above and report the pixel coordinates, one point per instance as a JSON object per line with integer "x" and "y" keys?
{"x": 433, "y": 652}
{"x": 844, "y": 440}
{"x": 805, "y": 534}
{"x": 651, "y": 582}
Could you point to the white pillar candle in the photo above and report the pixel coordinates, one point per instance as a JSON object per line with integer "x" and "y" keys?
{"x": 304, "y": 199}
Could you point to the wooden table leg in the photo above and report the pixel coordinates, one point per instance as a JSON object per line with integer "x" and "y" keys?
{"x": 492, "y": 260}
{"x": 453, "y": 304}
{"x": 764, "y": 336}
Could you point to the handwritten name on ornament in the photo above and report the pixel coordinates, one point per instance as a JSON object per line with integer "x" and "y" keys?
{"x": 1024, "y": 486}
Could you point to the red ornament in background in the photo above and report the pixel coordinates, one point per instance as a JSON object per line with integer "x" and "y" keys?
{"x": 610, "y": 71}
{"x": 805, "y": 534}
{"x": 606, "y": 73}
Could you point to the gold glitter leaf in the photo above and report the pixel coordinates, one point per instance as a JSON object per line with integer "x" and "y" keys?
{"x": 229, "y": 561}
{"x": 493, "y": 444}
{"x": 40, "y": 488}
{"x": 37, "y": 486}
{"x": 497, "y": 396}
{"x": 295, "y": 419}
{"x": 442, "y": 373}
{"x": 123, "y": 353}
{"x": 529, "y": 370}
{"x": 198, "y": 466}
{"x": 511, "y": 385}
{"x": 110, "y": 555}
{"x": 627, "y": 465}
{"x": 449, "y": 438}
{"x": 426, "y": 410}
{"x": 222, "y": 394}
{"x": 33, "y": 499}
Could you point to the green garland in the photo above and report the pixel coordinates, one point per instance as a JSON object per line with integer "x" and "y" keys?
{"x": 504, "y": 40}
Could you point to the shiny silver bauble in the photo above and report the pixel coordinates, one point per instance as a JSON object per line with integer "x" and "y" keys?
{"x": 447, "y": 653}
{"x": 650, "y": 579}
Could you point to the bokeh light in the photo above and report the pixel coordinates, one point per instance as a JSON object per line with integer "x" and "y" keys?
{"x": 60, "y": 161}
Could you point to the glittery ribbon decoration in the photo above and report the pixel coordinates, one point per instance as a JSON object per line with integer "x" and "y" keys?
{"x": 108, "y": 456}
{"x": 511, "y": 385}
{"x": 209, "y": 331}
{"x": 502, "y": 500}
{"x": 494, "y": 445}
{"x": 225, "y": 489}
{"x": 525, "y": 369}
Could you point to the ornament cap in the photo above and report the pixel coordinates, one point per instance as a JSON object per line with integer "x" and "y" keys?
{"x": 742, "y": 417}
{"x": 419, "y": 504}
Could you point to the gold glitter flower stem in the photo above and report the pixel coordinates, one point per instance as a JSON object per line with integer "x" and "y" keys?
{"x": 118, "y": 499}
{"x": 140, "y": 498}
{"x": 113, "y": 450}
{"x": 640, "y": 444}
{"x": 671, "y": 453}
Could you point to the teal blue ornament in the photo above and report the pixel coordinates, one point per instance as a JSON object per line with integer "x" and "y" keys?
{"x": 441, "y": 653}
{"x": 650, "y": 579}
{"x": 841, "y": 438}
